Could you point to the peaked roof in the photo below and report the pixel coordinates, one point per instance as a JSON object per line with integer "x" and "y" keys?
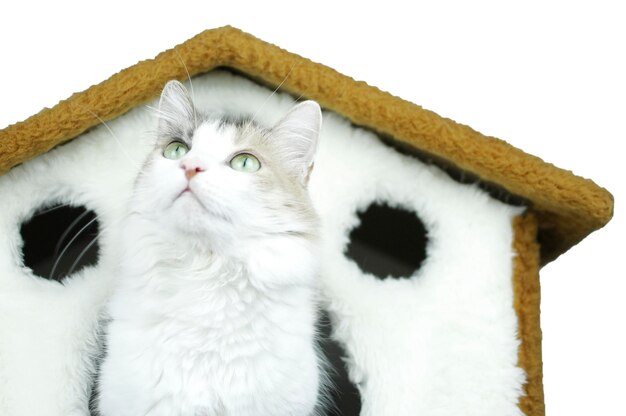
{"x": 568, "y": 207}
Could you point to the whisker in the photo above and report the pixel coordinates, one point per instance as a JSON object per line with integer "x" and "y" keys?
{"x": 270, "y": 96}
{"x": 115, "y": 137}
{"x": 156, "y": 110}
{"x": 50, "y": 209}
{"x": 67, "y": 246}
{"x": 193, "y": 95}
{"x": 162, "y": 114}
{"x": 67, "y": 231}
{"x": 82, "y": 253}
{"x": 246, "y": 127}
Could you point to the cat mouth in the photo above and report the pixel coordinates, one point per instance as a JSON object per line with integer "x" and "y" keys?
{"x": 208, "y": 208}
{"x": 185, "y": 191}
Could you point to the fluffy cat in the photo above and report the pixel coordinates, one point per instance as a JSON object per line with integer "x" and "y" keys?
{"x": 215, "y": 305}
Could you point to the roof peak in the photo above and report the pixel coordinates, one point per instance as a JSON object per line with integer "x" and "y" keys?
{"x": 568, "y": 207}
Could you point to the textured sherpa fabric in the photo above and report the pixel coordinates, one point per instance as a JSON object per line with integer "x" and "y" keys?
{"x": 568, "y": 207}
{"x": 527, "y": 305}
{"x": 442, "y": 342}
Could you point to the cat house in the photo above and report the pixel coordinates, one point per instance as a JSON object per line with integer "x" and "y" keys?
{"x": 433, "y": 235}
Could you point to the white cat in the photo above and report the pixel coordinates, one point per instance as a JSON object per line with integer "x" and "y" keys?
{"x": 215, "y": 306}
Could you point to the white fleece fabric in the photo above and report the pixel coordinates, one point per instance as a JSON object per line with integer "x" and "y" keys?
{"x": 442, "y": 342}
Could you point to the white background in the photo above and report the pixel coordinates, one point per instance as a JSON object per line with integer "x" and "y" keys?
{"x": 549, "y": 78}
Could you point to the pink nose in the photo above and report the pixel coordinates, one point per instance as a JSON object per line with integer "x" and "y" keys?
{"x": 191, "y": 170}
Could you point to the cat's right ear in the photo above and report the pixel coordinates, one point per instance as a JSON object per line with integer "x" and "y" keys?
{"x": 175, "y": 105}
{"x": 298, "y": 134}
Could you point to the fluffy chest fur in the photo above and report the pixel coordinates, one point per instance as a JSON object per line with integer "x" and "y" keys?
{"x": 205, "y": 337}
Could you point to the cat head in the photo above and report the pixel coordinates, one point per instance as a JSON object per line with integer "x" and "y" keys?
{"x": 226, "y": 181}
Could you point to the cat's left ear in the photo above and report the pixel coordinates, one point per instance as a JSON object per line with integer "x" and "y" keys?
{"x": 298, "y": 134}
{"x": 175, "y": 106}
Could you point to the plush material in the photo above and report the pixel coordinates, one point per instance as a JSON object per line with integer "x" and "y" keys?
{"x": 527, "y": 302}
{"x": 444, "y": 341}
{"x": 567, "y": 207}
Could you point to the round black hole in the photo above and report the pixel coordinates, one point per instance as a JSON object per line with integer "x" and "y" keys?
{"x": 345, "y": 399}
{"x": 388, "y": 242}
{"x": 59, "y": 241}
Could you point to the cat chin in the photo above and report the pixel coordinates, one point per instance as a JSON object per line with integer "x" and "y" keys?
{"x": 187, "y": 200}
{"x": 189, "y": 218}
{"x": 187, "y": 208}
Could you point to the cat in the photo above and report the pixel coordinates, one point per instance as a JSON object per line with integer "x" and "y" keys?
{"x": 215, "y": 305}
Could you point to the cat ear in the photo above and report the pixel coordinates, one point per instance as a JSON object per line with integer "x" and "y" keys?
{"x": 175, "y": 105}
{"x": 297, "y": 134}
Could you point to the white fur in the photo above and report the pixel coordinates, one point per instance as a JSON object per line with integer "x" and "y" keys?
{"x": 304, "y": 122}
{"x": 213, "y": 341}
{"x": 214, "y": 307}
{"x": 441, "y": 343}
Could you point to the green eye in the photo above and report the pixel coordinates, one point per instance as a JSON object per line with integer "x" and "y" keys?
{"x": 245, "y": 162}
{"x": 175, "y": 150}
